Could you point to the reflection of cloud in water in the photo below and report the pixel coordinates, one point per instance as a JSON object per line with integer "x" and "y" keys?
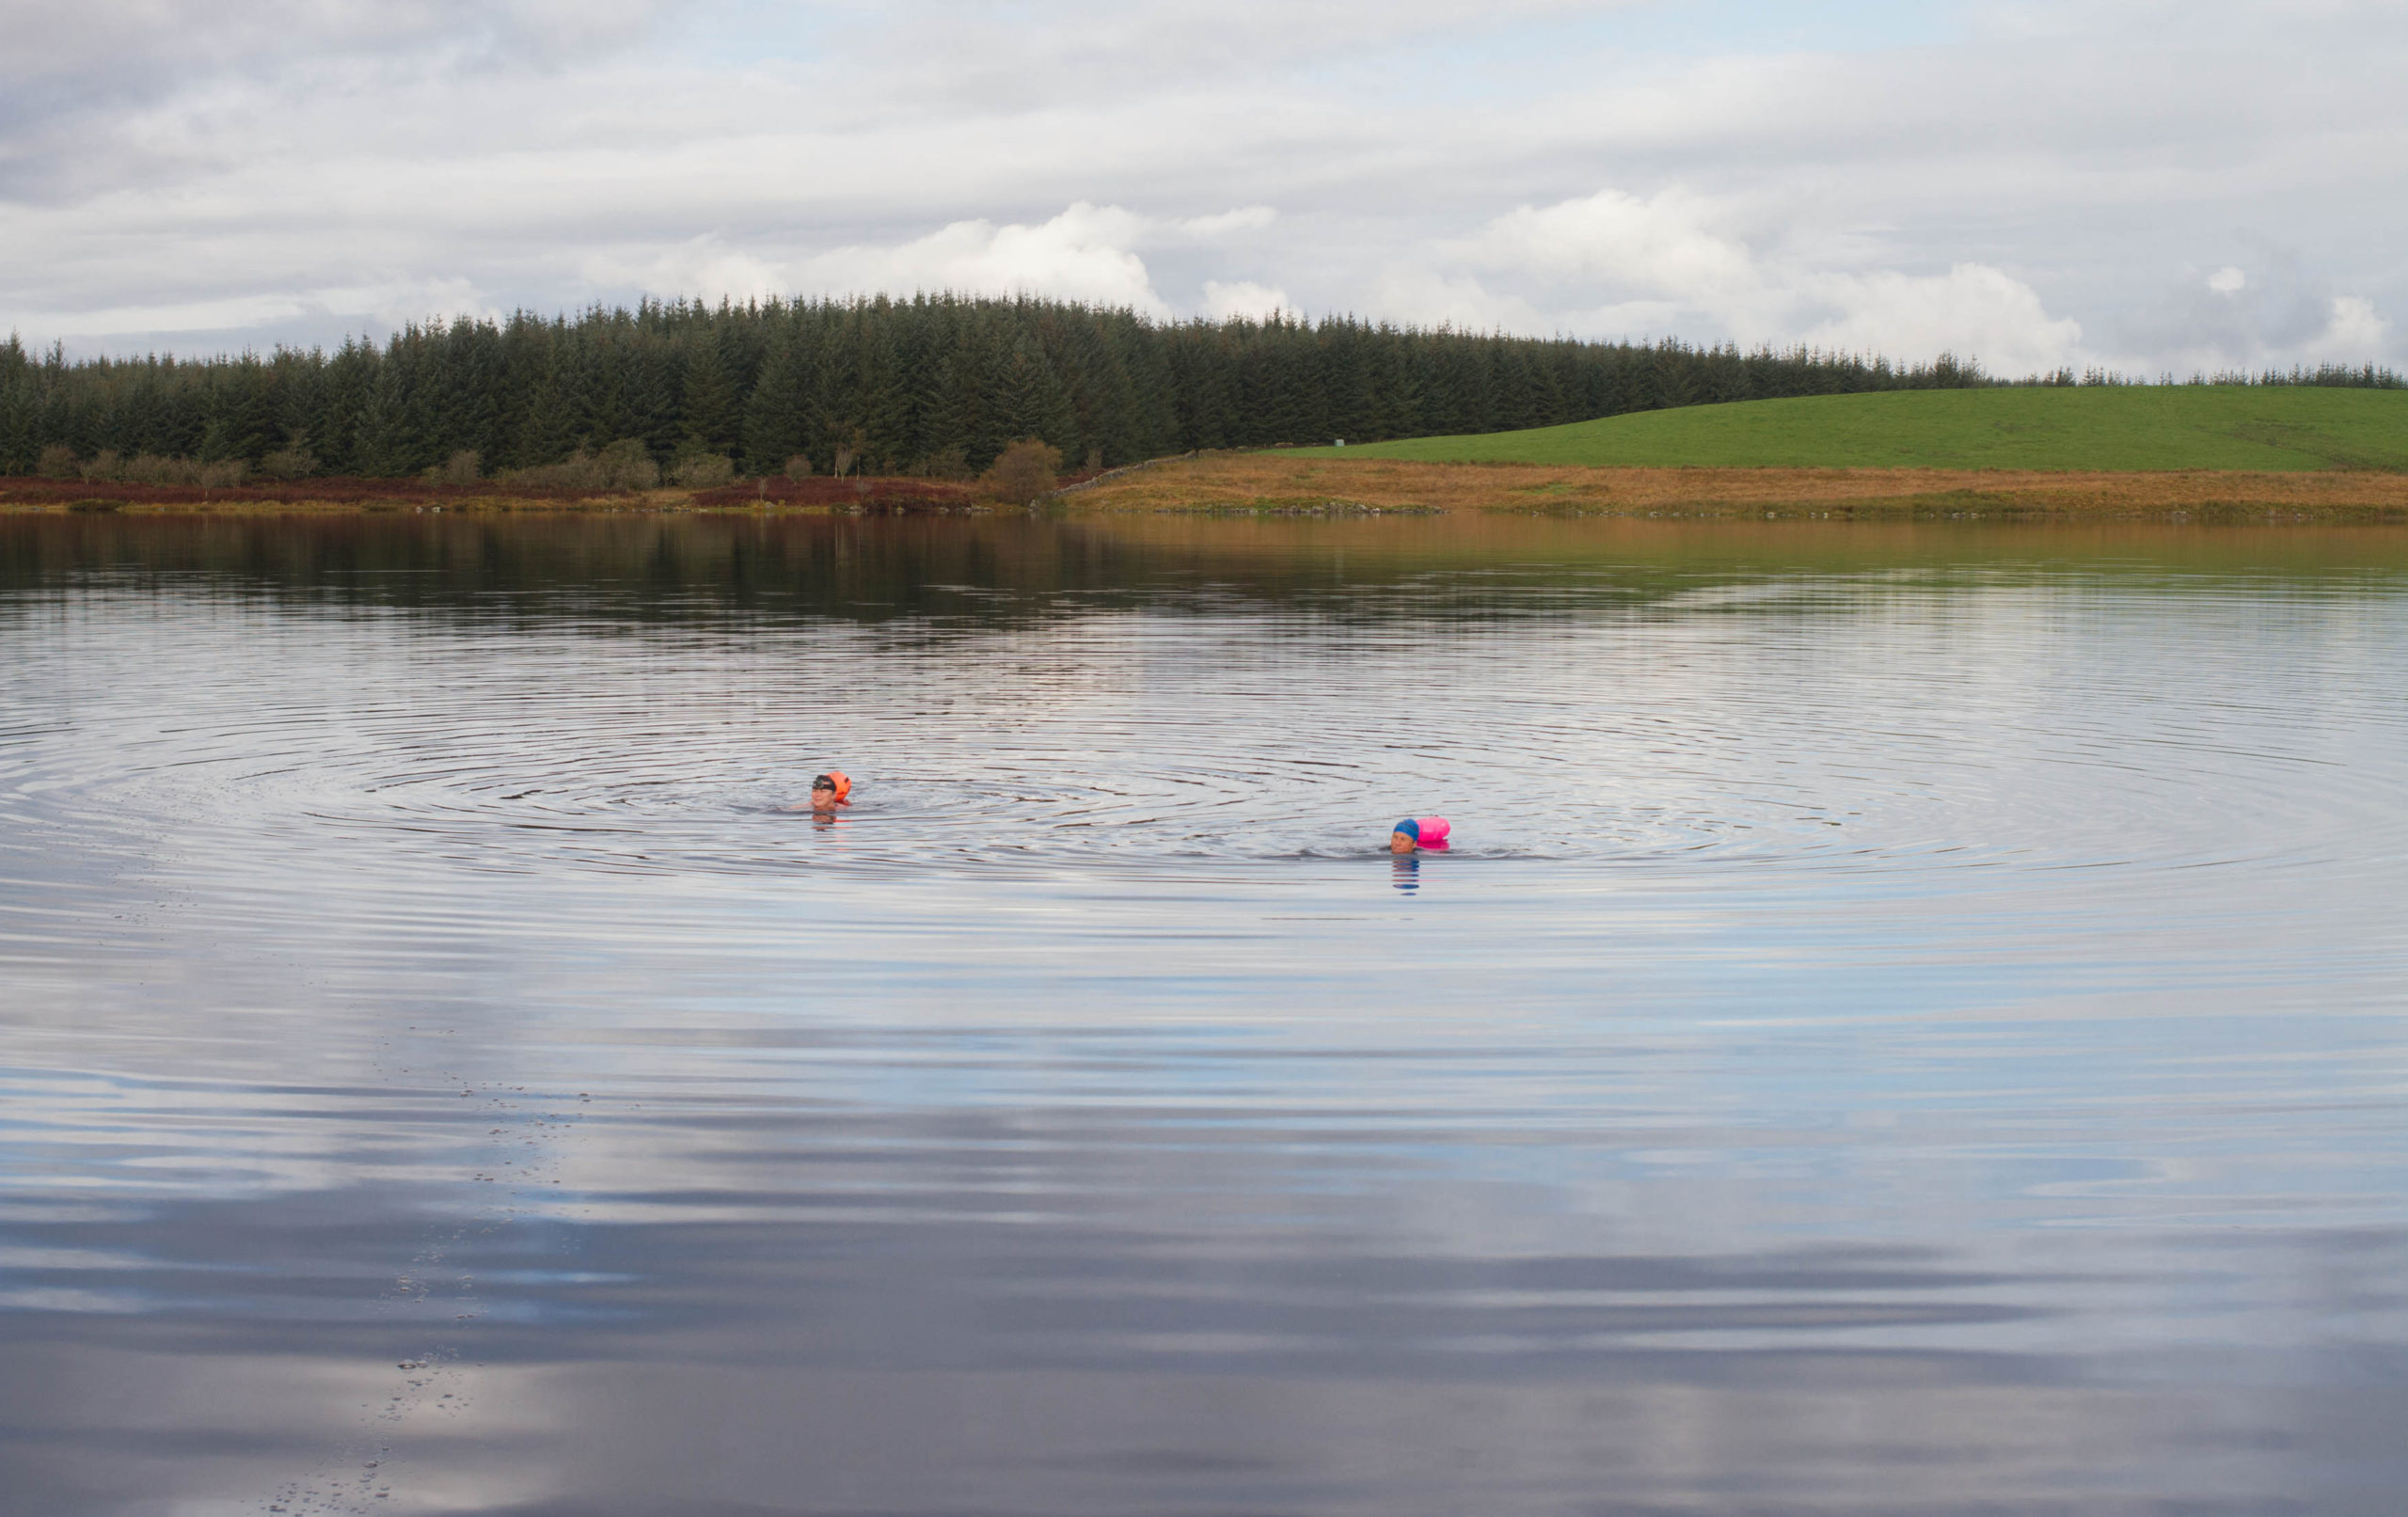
{"x": 978, "y": 1288}
{"x": 1885, "y": 1038}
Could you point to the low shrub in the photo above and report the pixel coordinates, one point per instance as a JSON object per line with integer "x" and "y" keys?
{"x": 1022, "y": 471}
{"x": 947, "y": 463}
{"x": 623, "y": 466}
{"x": 290, "y": 464}
{"x": 578, "y": 471}
{"x": 626, "y": 465}
{"x": 157, "y": 468}
{"x": 465, "y": 467}
{"x": 704, "y": 471}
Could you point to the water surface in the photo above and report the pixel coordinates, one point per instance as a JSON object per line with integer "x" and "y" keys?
{"x": 1912, "y": 1022}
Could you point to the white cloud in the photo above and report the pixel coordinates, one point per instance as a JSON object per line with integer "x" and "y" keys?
{"x": 165, "y": 162}
{"x": 1670, "y": 262}
{"x": 1229, "y": 223}
{"x": 425, "y": 300}
{"x": 2227, "y": 281}
{"x": 1243, "y": 298}
{"x": 1662, "y": 244}
{"x": 1428, "y": 297}
{"x": 2356, "y": 331}
{"x": 1974, "y": 311}
{"x": 1082, "y": 254}
{"x": 1089, "y": 252}
{"x": 703, "y": 267}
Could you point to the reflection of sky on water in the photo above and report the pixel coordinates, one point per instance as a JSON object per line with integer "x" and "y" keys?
{"x": 1913, "y": 1042}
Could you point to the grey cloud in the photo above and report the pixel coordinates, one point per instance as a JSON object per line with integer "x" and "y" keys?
{"x": 2266, "y": 308}
{"x": 96, "y": 43}
{"x": 95, "y": 95}
{"x": 1001, "y": 52}
{"x": 358, "y": 161}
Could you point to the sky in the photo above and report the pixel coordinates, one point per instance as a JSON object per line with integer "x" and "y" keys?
{"x": 2145, "y": 186}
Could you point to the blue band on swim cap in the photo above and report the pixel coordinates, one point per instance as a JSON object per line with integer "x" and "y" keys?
{"x": 1409, "y": 827}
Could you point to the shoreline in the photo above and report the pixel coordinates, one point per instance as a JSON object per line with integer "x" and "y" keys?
{"x": 1269, "y": 483}
{"x": 1278, "y": 484}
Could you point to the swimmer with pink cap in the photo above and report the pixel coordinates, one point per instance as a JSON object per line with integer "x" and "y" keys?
{"x": 1420, "y": 834}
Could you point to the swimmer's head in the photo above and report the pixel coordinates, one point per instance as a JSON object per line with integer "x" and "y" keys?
{"x": 1406, "y": 836}
{"x": 824, "y": 793}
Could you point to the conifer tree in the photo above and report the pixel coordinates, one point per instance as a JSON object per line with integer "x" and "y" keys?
{"x": 525, "y": 360}
{"x": 378, "y": 440}
{"x": 467, "y": 412}
{"x": 882, "y": 412}
{"x": 711, "y": 413}
{"x": 914, "y": 384}
{"x": 1030, "y": 399}
{"x": 549, "y": 426}
{"x": 651, "y": 395}
{"x": 301, "y": 399}
{"x": 242, "y": 421}
{"x": 335, "y": 433}
{"x": 413, "y": 429}
{"x": 18, "y": 448}
{"x": 775, "y": 425}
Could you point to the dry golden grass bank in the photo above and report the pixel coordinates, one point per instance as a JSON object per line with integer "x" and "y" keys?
{"x": 1283, "y": 483}
{"x": 1272, "y": 482}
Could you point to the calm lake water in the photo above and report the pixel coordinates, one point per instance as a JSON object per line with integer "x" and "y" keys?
{"x": 1916, "y": 1020}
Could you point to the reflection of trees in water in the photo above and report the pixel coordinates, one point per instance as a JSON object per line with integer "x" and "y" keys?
{"x": 1002, "y": 569}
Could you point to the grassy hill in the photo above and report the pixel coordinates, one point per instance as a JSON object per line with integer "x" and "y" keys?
{"x": 2168, "y": 427}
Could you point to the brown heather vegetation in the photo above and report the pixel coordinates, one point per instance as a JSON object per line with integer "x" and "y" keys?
{"x": 1269, "y": 483}
{"x": 872, "y": 494}
{"x": 1274, "y": 483}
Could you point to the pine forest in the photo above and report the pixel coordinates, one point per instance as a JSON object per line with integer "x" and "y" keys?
{"x": 933, "y": 386}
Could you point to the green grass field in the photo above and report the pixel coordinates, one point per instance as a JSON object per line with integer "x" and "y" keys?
{"x": 2169, "y": 427}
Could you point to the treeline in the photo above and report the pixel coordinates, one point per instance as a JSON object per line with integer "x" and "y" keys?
{"x": 2325, "y": 376}
{"x": 935, "y": 386}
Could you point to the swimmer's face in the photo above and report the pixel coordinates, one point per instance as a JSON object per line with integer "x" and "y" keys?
{"x": 823, "y": 798}
{"x": 1400, "y": 843}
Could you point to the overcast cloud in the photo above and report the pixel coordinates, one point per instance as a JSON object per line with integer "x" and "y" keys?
{"x": 2140, "y": 183}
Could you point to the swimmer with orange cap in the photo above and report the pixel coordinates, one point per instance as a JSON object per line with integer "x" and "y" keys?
{"x": 828, "y": 791}
{"x": 1417, "y": 833}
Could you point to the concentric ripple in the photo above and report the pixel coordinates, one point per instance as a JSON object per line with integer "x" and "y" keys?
{"x": 1905, "y": 1029}
{"x": 1846, "y": 725}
